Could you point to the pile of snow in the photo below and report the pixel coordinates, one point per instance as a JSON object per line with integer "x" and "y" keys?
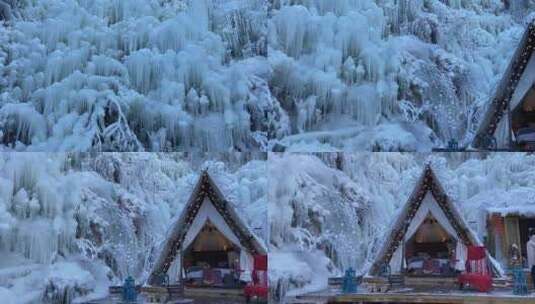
{"x": 72, "y": 224}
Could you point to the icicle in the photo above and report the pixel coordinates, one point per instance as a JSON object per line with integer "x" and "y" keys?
{"x": 141, "y": 68}
{"x": 21, "y": 123}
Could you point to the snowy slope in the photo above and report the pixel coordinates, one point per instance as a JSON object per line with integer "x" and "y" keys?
{"x": 331, "y": 211}
{"x": 79, "y": 222}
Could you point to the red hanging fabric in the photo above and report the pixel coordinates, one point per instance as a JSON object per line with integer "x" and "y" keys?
{"x": 259, "y": 286}
{"x": 476, "y": 253}
{"x": 260, "y": 262}
{"x": 478, "y": 274}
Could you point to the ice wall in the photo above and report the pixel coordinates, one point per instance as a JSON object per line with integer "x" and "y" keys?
{"x": 137, "y": 75}
{"x": 190, "y": 75}
{"x": 342, "y": 68}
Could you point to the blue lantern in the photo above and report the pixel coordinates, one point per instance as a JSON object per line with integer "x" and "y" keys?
{"x": 349, "y": 284}
{"x": 129, "y": 290}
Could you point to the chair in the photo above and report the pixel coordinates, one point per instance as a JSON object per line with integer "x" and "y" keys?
{"x": 259, "y": 285}
{"x": 218, "y": 278}
{"x": 209, "y": 277}
{"x": 478, "y": 274}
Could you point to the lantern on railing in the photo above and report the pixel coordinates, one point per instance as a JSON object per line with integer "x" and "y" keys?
{"x": 349, "y": 284}
{"x": 129, "y": 290}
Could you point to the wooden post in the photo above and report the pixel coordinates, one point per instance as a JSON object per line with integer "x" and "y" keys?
{"x": 403, "y": 269}
{"x": 510, "y": 122}
{"x": 491, "y": 230}
{"x": 182, "y": 269}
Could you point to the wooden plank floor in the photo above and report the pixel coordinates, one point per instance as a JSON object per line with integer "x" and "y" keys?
{"x": 432, "y": 298}
{"x": 214, "y": 292}
{"x": 333, "y": 295}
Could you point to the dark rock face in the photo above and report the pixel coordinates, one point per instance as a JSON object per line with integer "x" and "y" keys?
{"x": 5, "y": 12}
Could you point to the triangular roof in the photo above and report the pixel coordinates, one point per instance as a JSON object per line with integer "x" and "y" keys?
{"x": 205, "y": 187}
{"x": 428, "y": 182}
{"x": 500, "y": 102}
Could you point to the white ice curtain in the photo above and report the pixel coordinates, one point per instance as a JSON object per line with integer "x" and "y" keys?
{"x": 209, "y": 212}
{"x": 525, "y": 83}
{"x": 429, "y": 206}
{"x": 503, "y": 133}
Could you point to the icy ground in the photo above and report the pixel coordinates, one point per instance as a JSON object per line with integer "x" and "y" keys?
{"x": 329, "y": 212}
{"x": 72, "y": 224}
{"x": 220, "y": 75}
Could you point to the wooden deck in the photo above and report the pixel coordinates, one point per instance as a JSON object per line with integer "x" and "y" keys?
{"x": 432, "y": 298}
{"x": 219, "y": 293}
{"x": 421, "y": 290}
{"x": 176, "y": 293}
{"x": 409, "y": 297}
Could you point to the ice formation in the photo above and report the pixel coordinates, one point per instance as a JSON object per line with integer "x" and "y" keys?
{"x": 72, "y": 224}
{"x": 214, "y": 75}
{"x": 331, "y": 211}
{"x": 345, "y": 68}
{"x": 136, "y": 75}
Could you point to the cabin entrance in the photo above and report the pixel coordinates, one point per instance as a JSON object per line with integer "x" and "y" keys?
{"x": 430, "y": 251}
{"x": 212, "y": 260}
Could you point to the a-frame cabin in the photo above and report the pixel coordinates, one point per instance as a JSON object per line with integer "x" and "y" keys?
{"x": 208, "y": 245}
{"x": 509, "y": 123}
{"x": 429, "y": 238}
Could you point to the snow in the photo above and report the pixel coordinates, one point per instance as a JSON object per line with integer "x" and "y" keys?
{"x": 308, "y": 268}
{"x": 7, "y": 296}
